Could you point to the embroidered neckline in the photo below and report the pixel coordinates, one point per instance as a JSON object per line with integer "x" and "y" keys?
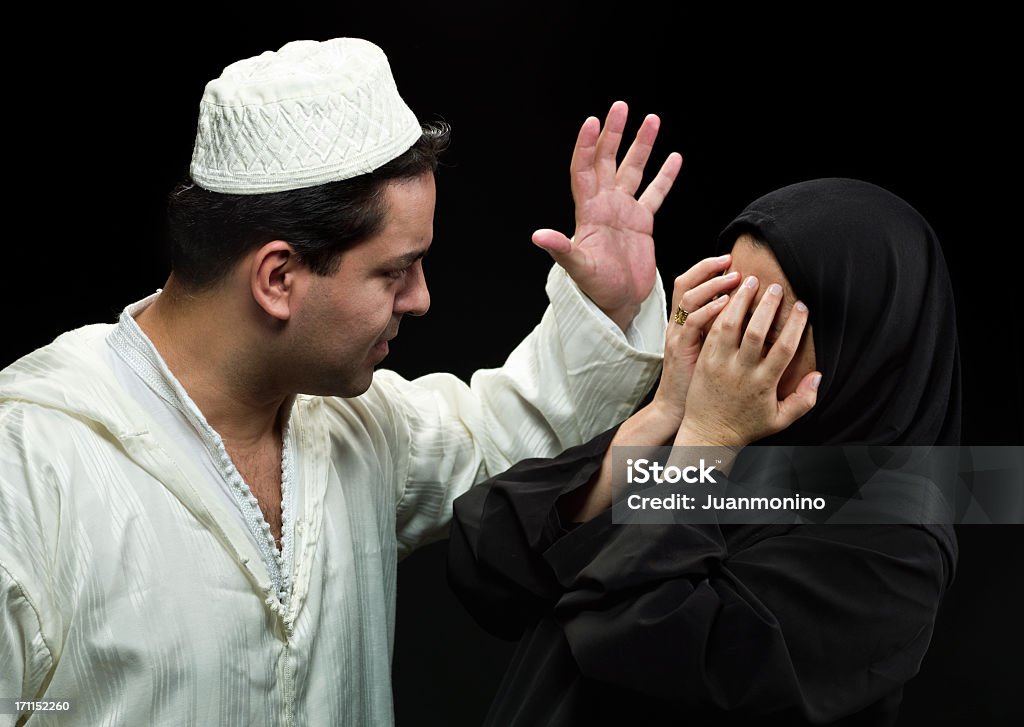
{"x": 138, "y": 352}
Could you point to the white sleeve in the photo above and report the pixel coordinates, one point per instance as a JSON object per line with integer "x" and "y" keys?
{"x": 574, "y": 376}
{"x": 27, "y": 499}
{"x": 24, "y": 654}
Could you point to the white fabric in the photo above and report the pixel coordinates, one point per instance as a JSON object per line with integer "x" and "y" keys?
{"x": 145, "y": 378}
{"x": 128, "y": 583}
{"x": 310, "y": 113}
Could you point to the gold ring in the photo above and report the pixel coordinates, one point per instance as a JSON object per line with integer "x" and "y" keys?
{"x": 681, "y": 315}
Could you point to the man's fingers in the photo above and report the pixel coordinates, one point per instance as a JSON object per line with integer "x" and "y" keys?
{"x": 594, "y": 164}
{"x": 800, "y": 401}
{"x": 631, "y": 171}
{"x": 659, "y": 187}
{"x": 582, "y": 173}
{"x": 608, "y": 143}
{"x": 562, "y": 250}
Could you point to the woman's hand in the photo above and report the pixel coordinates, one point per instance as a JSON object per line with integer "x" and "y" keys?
{"x": 657, "y": 423}
{"x": 733, "y": 396}
{"x": 695, "y": 292}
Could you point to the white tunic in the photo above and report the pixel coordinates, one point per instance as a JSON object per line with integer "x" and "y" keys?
{"x": 133, "y": 580}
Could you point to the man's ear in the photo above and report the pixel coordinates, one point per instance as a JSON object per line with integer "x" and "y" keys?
{"x": 272, "y": 279}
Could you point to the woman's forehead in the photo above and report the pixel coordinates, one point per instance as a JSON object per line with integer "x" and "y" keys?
{"x": 753, "y": 258}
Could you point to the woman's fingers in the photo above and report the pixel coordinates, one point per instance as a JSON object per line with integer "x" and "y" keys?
{"x": 785, "y": 347}
{"x": 689, "y": 333}
{"x": 682, "y": 348}
{"x": 695, "y": 297}
{"x": 800, "y": 401}
{"x": 728, "y": 326}
{"x": 756, "y": 332}
{"x": 706, "y": 270}
{"x": 733, "y": 395}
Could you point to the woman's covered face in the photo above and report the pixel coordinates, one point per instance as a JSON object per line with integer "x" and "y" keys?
{"x": 872, "y": 273}
{"x": 750, "y": 258}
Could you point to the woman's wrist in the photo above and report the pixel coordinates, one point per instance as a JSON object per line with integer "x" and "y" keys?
{"x": 692, "y": 434}
{"x": 654, "y": 425}
{"x": 693, "y": 441}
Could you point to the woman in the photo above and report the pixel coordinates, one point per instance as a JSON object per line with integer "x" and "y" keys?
{"x": 785, "y": 624}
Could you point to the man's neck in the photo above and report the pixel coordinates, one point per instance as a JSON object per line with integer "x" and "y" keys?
{"x": 205, "y": 353}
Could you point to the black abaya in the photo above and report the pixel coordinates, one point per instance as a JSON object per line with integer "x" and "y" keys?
{"x": 657, "y": 624}
{"x": 781, "y": 624}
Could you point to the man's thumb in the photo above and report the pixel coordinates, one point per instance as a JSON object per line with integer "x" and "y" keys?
{"x": 557, "y": 244}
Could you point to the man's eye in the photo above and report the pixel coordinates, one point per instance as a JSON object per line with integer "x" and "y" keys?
{"x": 397, "y": 274}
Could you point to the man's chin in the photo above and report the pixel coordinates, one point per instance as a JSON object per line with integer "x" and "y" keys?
{"x": 354, "y": 386}
{"x": 358, "y": 388}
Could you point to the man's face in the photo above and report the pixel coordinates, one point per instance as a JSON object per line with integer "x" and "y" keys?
{"x": 344, "y": 321}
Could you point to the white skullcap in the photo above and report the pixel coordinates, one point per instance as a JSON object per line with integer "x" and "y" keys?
{"x": 312, "y": 112}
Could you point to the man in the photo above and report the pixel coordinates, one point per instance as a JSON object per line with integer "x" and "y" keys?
{"x": 202, "y": 507}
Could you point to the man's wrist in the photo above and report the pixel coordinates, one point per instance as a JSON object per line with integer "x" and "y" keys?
{"x": 622, "y": 317}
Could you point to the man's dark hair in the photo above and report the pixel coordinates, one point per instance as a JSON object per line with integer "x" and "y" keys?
{"x": 210, "y": 231}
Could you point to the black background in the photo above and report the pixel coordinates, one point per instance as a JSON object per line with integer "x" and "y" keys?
{"x": 102, "y": 116}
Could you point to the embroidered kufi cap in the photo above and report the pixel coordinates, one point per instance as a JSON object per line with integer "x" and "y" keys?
{"x": 310, "y": 113}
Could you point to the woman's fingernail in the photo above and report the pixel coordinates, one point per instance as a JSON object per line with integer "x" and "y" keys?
{"x": 731, "y": 276}
{"x": 815, "y": 381}
{"x": 774, "y": 289}
{"x": 751, "y": 282}
{"x": 723, "y": 258}
{"x": 800, "y": 306}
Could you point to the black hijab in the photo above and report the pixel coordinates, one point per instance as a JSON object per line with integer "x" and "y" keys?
{"x": 871, "y": 270}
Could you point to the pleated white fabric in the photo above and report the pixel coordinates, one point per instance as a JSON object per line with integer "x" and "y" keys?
{"x": 128, "y": 584}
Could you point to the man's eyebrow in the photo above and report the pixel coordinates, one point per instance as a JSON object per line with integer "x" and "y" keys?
{"x": 407, "y": 259}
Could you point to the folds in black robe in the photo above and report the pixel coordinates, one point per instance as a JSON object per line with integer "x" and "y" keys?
{"x": 715, "y": 624}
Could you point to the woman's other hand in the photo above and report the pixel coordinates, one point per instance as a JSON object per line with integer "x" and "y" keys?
{"x": 702, "y": 293}
{"x": 733, "y": 397}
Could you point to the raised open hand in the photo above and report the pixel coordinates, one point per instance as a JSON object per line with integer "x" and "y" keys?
{"x": 611, "y": 254}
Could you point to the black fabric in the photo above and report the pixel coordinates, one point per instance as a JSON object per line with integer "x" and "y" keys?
{"x": 691, "y": 624}
{"x": 871, "y": 270}
{"x": 780, "y": 624}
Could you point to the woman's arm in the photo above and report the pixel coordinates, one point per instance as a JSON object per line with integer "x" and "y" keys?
{"x": 501, "y": 525}
{"x": 701, "y": 292}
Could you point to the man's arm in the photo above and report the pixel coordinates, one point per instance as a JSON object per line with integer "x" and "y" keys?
{"x": 570, "y": 379}
{"x": 574, "y": 375}
{"x": 24, "y": 654}
{"x": 27, "y": 500}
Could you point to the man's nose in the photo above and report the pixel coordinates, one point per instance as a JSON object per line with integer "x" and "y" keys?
{"x": 415, "y": 299}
